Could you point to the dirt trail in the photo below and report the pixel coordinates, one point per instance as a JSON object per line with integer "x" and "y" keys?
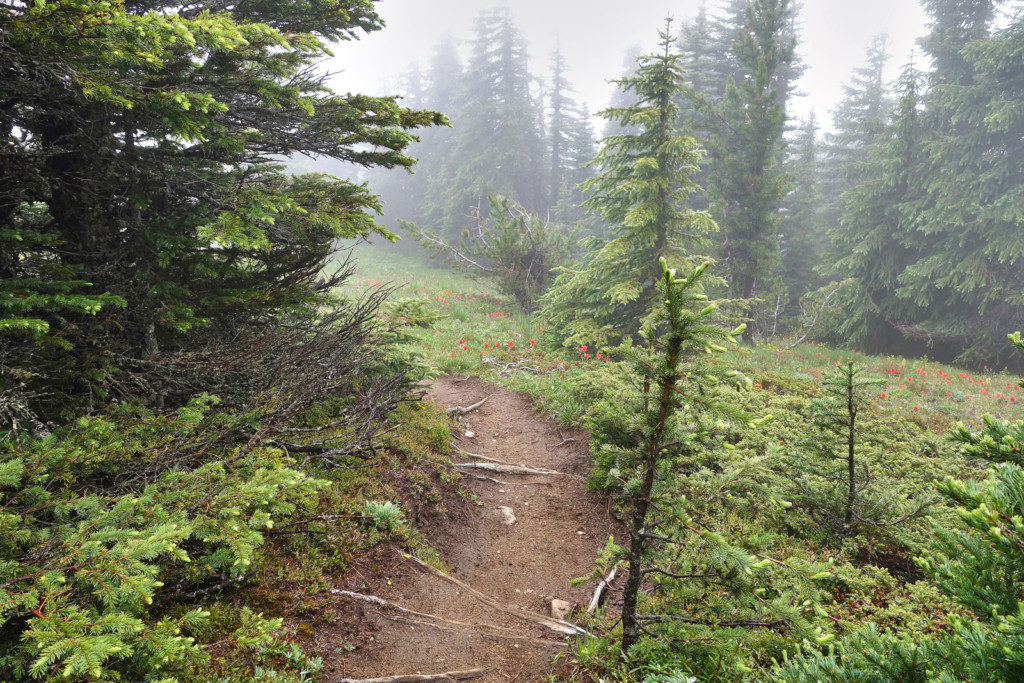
{"x": 518, "y": 568}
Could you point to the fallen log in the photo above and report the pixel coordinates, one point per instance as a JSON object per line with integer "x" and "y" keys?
{"x": 557, "y": 625}
{"x": 467, "y": 675}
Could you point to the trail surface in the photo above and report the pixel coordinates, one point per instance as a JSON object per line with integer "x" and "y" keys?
{"x": 493, "y": 611}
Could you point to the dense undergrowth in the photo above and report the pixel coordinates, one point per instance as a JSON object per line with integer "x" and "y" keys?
{"x": 744, "y": 485}
{"x": 215, "y": 568}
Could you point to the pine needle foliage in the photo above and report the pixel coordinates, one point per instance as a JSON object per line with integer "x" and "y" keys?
{"x": 685, "y": 578}
{"x": 640, "y": 192}
{"x": 980, "y": 565}
{"x": 105, "y": 533}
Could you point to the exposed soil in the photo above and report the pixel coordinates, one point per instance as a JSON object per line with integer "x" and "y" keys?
{"x": 560, "y": 528}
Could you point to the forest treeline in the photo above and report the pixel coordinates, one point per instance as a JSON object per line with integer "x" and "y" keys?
{"x": 895, "y": 229}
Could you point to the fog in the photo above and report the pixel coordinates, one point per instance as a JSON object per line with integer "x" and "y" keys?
{"x": 594, "y": 35}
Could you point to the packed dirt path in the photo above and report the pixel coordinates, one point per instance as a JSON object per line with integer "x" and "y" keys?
{"x": 492, "y": 613}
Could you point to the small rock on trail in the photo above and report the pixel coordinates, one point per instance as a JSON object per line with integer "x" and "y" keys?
{"x": 514, "y": 559}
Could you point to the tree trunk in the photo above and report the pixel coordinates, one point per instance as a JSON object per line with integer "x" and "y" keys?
{"x": 642, "y": 503}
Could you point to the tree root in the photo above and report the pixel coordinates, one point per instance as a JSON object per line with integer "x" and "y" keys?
{"x": 459, "y": 410}
{"x": 435, "y": 621}
{"x": 414, "y": 678}
{"x": 605, "y": 584}
{"x": 556, "y": 625}
{"x": 507, "y": 469}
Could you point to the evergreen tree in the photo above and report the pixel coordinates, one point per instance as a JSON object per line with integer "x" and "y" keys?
{"x": 498, "y": 141}
{"x": 559, "y": 123}
{"x": 979, "y": 565}
{"x": 643, "y": 182}
{"x": 871, "y": 245}
{"x": 620, "y": 98}
{"x": 581, "y": 147}
{"x": 832, "y": 478}
{"x": 859, "y": 124}
{"x": 571, "y": 148}
{"x": 967, "y": 277}
{"x": 803, "y": 240}
{"x": 141, "y": 211}
{"x": 747, "y": 184}
{"x": 675, "y": 378}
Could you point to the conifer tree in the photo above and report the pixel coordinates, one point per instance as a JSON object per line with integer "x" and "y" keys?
{"x": 559, "y": 123}
{"x": 747, "y": 185}
{"x": 498, "y": 143}
{"x": 571, "y": 148}
{"x": 803, "y": 240}
{"x": 859, "y": 124}
{"x": 581, "y": 148}
{"x": 980, "y": 565}
{"x": 640, "y": 191}
{"x": 871, "y": 245}
{"x": 833, "y": 480}
{"x": 675, "y": 378}
{"x": 621, "y": 98}
{"x": 141, "y": 208}
{"x": 967, "y": 277}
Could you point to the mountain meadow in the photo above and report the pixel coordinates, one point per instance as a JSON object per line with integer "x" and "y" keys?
{"x": 467, "y": 380}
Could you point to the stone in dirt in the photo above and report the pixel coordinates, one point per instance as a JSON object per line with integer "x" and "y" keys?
{"x": 507, "y": 516}
{"x": 560, "y": 609}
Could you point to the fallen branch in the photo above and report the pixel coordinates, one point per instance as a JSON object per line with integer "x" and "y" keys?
{"x": 467, "y": 675}
{"x": 459, "y": 410}
{"x": 502, "y": 468}
{"x": 605, "y": 584}
{"x": 557, "y": 625}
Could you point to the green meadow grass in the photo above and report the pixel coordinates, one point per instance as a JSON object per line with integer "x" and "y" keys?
{"x": 480, "y": 328}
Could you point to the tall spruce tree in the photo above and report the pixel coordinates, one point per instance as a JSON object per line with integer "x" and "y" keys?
{"x": 748, "y": 183}
{"x": 859, "y": 123}
{"x": 871, "y": 245}
{"x": 559, "y": 124}
{"x": 967, "y": 276}
{"x": 497, "y": 117}
{"x": 571, "y": 148}
{"x": 643, "y": 184}
{"x": 803, "y": 239}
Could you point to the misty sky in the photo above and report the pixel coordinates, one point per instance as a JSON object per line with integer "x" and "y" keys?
{"x": 594, "y": 35}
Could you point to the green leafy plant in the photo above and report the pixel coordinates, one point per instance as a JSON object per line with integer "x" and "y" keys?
{"x": 515, "y": 248}
{"x": 383, "y": 515}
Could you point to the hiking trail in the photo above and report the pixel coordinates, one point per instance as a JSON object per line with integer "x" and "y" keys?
{"x": 537, "y": 527}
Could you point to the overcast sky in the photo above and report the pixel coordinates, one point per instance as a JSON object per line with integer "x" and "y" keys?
{"x": 594, "y": 35}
